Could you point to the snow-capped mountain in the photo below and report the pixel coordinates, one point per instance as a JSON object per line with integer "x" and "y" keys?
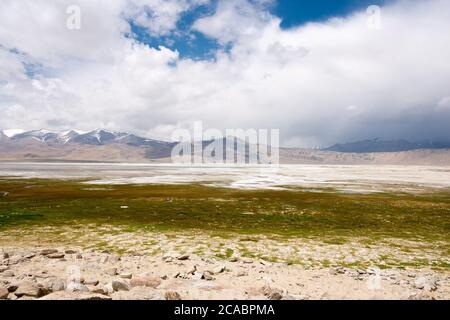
{"x": 96, "y": 137}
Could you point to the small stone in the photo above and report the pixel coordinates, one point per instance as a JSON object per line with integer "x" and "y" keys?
{"x": 111, "y": 271}
{"x": 108, "y": 288}
{"x": 98, "y": 290}
{"x": 192, "y": 270}
{"x": 272, "y": 294}
{"x": 57, "y": 285}
{"x": 219, "y": 269}
{"x": 145, "y": 281}
{"x": 69, "y": 251}
{"x": 12, "y": 296}
{"x": 172, "y": 295}
{"x": 5, "y": 255}
{"x": 91, "y": 282}
{"x": 46, "y": 252}
{"x": 207, "y": 276}
{"x": 77, "y": 287}
{"x": 275, "y": 296}
{"x": 79, "y": 256}
{"x": 119, "y": 285}
{"x": 234, "y": 259}
{"x": 104, "y": 259}
{"x": 126, "y": 275}
{"x": 425, "y": 283}
{"x": 197, "y": 276}
{"x": 58, "y": 255}
{"x": 242, "y": 274}
{"x": 8, "y": 273}
{"x": 3, "y": 268}
{"x": 30, "y": 256}
{"x": 3, "y": 293}
{"x": 183, "y": 257}
{"x": 12, "y": 287}
{"x": 360, "y": 271}
{"x": 247, "y": 261}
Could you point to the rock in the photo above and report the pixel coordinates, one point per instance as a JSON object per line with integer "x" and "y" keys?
{"x": 272, "y": 294}
{"x": 58, "y": 255}
{"x": 192, "y": 271}
{"x": 30, "y": 256}
{"x": 70, "y": 251}
{"x": 56, "y": 284}
{"x": 5, "y": 255}
{"x": 119, "y": 285}
{"x": 108, "y": 288}
{"x": 3, "y": 268}
{"x": 234, "y": 259}
{"x": 242, "y": 274}
{"x": 79, "y": 256}
{"x": 104, "y": 259}
{"x": 91, "y": 282}
{"x": 99, "y": 290}
{"x": 68, "y": 295}
{"x": 425, "y": 283}
{"x": 183, "y": 257}
{"x": 145, "y": 281}
{"x": 12, "y": 287}
{"x": 422, "y": 296}
{"x": 111, "y": 271}
{"x": 137, "y": 293}
{"x": 12, "y": 296}
{"x": 8, "y": 273}
{"x": 126, "y": 275}
{"x": 77, "y": 287}
{"x": 30, "y": 289}
{"x": 172, "y": 295}
{"x": 46, "y": 252}
{"x": 360, "y": 271}
{"x": 207, "y": 276}
{"x": 219, "y": 269}
{"x": 3, "y": 293}
{"x": 197, "y": 276}
{"x": 247, "y": 261}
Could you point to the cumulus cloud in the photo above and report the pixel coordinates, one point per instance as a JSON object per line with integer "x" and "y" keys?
{"x": 320, "y": 83}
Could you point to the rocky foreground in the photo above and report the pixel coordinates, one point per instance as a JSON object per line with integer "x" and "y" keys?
{"x": 74, "y": 274}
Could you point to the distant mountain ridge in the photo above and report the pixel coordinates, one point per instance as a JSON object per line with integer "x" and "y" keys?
{"x": 96, "y": 137}
{"x": 108, "y": 146}
{"x": 379, "y": 145}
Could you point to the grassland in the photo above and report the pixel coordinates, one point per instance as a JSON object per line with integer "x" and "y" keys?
{"x": 295, "y": 213}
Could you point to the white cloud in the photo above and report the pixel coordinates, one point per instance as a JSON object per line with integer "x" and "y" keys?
{"x": 319, "y": 83}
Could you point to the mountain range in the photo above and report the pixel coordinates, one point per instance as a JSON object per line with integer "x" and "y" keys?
{"x": 104, "y": 145}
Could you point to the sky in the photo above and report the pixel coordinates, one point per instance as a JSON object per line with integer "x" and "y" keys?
{"x": 321, "y": 71}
